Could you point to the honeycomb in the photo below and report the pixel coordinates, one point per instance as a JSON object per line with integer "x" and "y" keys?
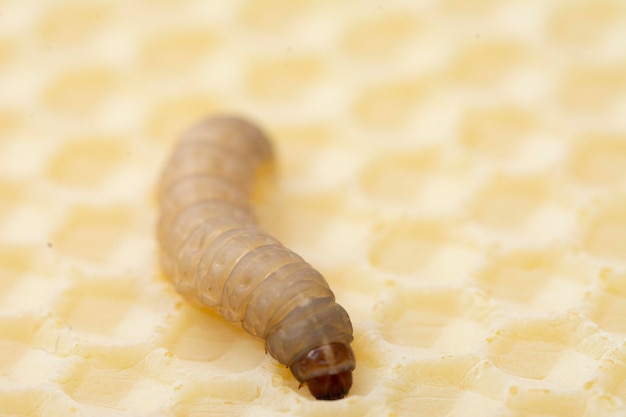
{"x": 456, "y": 169}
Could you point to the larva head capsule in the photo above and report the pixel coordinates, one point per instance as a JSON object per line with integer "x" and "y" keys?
{"x": 327, "y": 370}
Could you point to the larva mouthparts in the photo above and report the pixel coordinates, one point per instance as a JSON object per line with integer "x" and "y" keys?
{"x": 215, "y": 254}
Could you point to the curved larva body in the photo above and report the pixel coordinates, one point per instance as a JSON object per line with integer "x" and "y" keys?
{"x": 215, "y": 254}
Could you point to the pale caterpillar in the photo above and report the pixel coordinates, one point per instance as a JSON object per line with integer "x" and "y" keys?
{"x": 214, "y": 253}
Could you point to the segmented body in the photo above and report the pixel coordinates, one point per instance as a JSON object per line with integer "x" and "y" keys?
{"x": 214, "y": 253}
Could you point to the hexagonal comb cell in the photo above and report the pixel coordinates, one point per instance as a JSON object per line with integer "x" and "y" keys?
{"x": 381, "y": 35}
{"x": 272, "y": 15}
{"x": 119, "y": 381}
{"x": 485, "y": 62}
{"x": 498, "y": 131}
{"x": 72, "y": 23}
{"x": 405, "y": 246}
{"x": 582, "y": 24}
{"x": 207, "y": 340}
{"x": 599, "y": 159}
{"x": 217, "y": 395}
{"x": 22, "y": 361}
{"x": 605, "y": 303}
{"x": 548, "y": 279}
{"x": 611, "y": 373}
{"x": 398, "y": 176}
{"x": 592, "y": 88}
{"x": 177, "y": 51}
{"x": 86, "y": 160}
{"x": 450, "y": 321}
{"x": 36, "y": 402}
{"x": 284, "y": 77}
{"x": 25, "y": 284}
{"x": 92, "y": 233}
{"x": 559, "y": 403}
{"x": 10, "y": 193}
{"x": 390, "y": 105}
{"x": 605, "y": 233}
{"x": 428, "y": 386}
{"x": 554, "y": 349}
{"x": 468, "y": 7}
{"x": 80, "y": 91}
{"x": 10, "y": 119}
{"x": 114, "y": 310}
{"x": 508, "y": 202}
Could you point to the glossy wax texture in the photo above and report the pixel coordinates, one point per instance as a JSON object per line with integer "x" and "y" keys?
{"x": 214, "y": 252}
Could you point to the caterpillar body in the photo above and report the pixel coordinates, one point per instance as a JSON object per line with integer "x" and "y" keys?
{"x": 214, "y": 253}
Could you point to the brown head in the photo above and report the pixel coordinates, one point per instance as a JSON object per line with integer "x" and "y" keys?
{"x": 327, "y": 370}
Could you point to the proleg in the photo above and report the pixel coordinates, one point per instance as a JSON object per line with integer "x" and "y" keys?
{"x": 214, "y": 253}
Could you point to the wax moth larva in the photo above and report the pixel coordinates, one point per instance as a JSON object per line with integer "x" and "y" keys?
{"x": 214, "y": 253}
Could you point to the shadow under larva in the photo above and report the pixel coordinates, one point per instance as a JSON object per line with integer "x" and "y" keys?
{"x": 214, "y": 253}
